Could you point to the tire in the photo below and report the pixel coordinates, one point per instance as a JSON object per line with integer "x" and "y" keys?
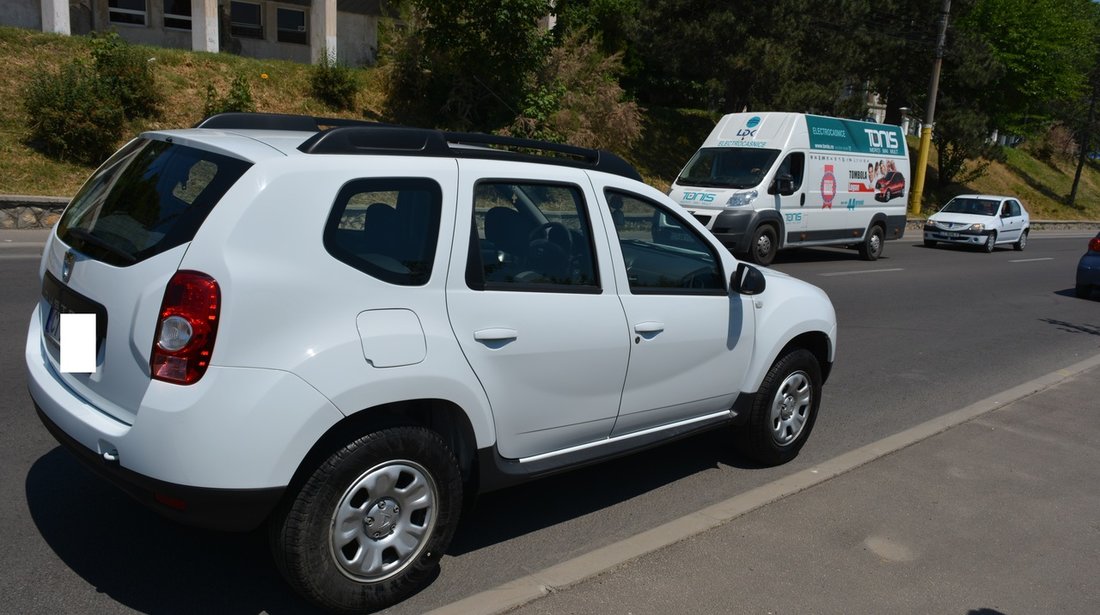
{"x": 763, "y": 246}
{"x": 1083, "y": 291}
{"x": 775, "y": 430}
{"x": 929, "y": 243}
{"x": 873, "y": 245}
{"x": 990, "y": 243}
{"x": 1021, "y": 243}
{"x": 397, "y": 494}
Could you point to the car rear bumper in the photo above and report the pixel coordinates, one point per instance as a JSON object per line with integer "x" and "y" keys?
{"x": 217, "y": 453}
{"x": 1088, "y": 270}
{"x": 219, "y": 509}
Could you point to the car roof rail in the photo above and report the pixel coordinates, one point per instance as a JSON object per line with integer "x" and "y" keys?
{"x": 350, "y": 136}
{"x": 236, "y": 120}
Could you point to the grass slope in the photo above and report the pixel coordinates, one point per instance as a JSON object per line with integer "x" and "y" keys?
{"x": 670, "y": 137}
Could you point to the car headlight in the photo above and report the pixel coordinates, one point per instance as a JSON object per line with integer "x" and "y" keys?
{"x": 932, "y": 223}
{"x": 977, "y": 228}
{"x": 740, "y": 199}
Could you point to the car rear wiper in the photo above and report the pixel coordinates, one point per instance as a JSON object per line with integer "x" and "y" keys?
{"x": 87, "y": 237}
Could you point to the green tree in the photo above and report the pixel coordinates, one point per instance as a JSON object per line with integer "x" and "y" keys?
{"x": 1045, "y": 48}
{"x": 465, "y": 64}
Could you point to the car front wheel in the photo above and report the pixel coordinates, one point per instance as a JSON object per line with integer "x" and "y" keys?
{"x": 1021, "y": 243}
{"x": 784, "y": 410}
{"x": 990, "y": 242}
{"x": 368, "y": 527}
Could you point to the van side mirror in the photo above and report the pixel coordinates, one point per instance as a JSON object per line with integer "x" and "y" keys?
{"x": 747, "y": 280}
{"x": 784, "y": 185}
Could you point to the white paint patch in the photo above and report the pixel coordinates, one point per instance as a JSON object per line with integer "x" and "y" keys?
{"x": 1030, "y": 260}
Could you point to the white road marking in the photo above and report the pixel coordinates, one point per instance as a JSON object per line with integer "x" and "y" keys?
{"x": 826, "y": 275}
{"x": 1031, "y": 260}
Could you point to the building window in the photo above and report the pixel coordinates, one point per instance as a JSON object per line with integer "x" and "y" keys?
{"x": 177, "y": 14}
{"x": 246, "y": 20}
{"x": 128, "y": 12}
{"x": 291, "y": 26}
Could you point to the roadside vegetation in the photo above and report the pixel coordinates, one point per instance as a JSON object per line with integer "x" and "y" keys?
{"x": 607, "y": 76}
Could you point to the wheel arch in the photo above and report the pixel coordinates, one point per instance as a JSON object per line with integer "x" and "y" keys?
{"x": 444, "y": 417}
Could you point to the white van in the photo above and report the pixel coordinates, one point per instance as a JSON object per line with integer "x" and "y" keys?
{"x": 766, "y": 181}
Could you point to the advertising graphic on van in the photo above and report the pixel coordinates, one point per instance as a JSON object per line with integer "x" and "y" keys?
{"x": 839, "y": 135}
{"x": 768, "y": 181}
{"x": 828, "y": 187}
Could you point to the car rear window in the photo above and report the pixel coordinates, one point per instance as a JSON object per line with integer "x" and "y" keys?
{"x": 149, "y": 197}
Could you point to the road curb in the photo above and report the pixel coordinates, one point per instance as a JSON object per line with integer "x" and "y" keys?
{"x": 561, "y": 576}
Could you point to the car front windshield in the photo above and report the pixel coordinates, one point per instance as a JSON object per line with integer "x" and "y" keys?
{"x": 979, "y": 207}
{"x": 728, "y": 167}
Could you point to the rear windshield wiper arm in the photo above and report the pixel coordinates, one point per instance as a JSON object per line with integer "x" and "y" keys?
{"x": 87, "y": 237}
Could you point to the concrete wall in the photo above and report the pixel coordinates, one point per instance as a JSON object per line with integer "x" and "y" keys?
{"x": 356, "y": 33}
{"x": 22, "y": 14}
{"x": 356, "y": 39}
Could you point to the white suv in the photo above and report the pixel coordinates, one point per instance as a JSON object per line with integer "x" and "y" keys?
{"x": 346, "y": 333}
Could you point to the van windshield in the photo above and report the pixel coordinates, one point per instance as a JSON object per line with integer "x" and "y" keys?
{"x": 148, "y": 198}
{"x": 728, "y": 167}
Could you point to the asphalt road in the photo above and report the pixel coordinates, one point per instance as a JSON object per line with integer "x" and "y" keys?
{"x": 922, "y": 332}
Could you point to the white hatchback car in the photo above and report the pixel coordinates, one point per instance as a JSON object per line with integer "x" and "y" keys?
{"x": 345, "y": 333}
{"x": 979, "y": 220}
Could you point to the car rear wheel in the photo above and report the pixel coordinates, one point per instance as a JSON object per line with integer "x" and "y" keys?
{"x": 929, "y": 243}
{"x": 764, "y": 245}
{"x": 1021, "y": 243}
{"x": 1083, "y": 291}
{"x": 990, "y": 242}
{"x": 872, "y": 246}
{"x": 784, "y": 410}
{"x": 368, "y": 527}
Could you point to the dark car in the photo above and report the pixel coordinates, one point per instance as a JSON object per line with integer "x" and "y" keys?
{"x": 891, "y": 185}
{"x": 1088, "y": 269}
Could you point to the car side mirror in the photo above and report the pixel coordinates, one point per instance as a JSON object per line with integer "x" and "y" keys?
{"x": 747, "y": 280}
{"x": 784, "y": 185}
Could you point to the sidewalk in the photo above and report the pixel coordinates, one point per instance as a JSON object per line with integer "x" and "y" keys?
{"x": 997, "y": 515}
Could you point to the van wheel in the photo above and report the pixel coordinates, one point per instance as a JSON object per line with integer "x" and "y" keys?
{"x": 368, "y": 527}
{"x": 784, "y": 410}
{"x": 764, "y": 244}
{"x": 872, "y": 246}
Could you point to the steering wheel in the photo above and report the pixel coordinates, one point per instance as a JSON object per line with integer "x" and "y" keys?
{"x": 554, "y": 232}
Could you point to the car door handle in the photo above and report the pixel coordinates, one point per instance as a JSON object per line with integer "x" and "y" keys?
{"x": 649, "y": 326}
{"x": 495, "y": 334}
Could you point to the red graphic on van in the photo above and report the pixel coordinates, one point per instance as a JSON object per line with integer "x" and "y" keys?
{"x": 828, "y": 187}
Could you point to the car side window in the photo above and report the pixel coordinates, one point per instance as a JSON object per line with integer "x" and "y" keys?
{"x": 663, "y": 255}
{"x": 531, "y": 236}
{"x": 387, "y": 228}
{"x": 1013, "y": 208}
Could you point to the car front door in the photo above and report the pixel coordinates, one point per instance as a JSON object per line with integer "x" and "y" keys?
{"x": 534, "y": 307}
{"x": 690, "y": 339}
{"x": 1012, "y": 220}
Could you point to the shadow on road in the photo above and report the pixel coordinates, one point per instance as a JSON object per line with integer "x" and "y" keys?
{"x": 157, "y": 566}
{"x": 1070, "y": 327}
{"x": 145, "y": 562}
{"x": 823, "y": 255}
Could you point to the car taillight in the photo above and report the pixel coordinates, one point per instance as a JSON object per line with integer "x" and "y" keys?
{"x": 186, "y": 327}
{"x": 1094, "y": 244}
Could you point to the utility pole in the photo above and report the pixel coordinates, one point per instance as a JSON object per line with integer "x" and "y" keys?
{"x": 929, "y": 116}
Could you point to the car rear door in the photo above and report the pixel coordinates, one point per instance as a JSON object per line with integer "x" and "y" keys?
{"x": 532, "y": 302}
{"x": 1012, "y": 220}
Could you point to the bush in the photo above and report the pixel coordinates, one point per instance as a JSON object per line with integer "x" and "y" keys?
{"x": 334, "y": 84}
{"x": 73, "y": 114}
{"x": 239, "y": 98}
{"x": 1057, "y": 143}
{"x": 124, "y": 69}
{"x": 577, "y": 99}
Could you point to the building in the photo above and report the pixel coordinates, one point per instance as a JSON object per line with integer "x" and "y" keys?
{"x": 298, "y": 30}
